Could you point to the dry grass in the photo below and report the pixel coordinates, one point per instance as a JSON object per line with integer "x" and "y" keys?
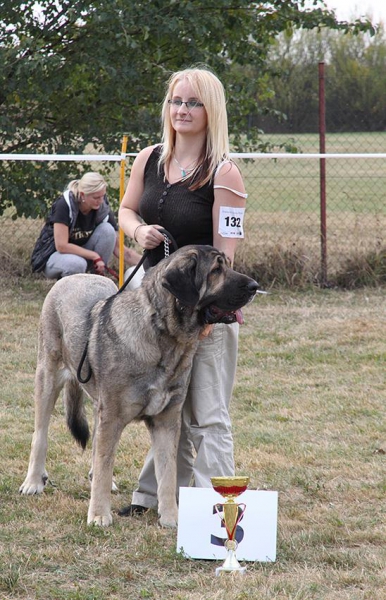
{"x": 308, "y": 414}
{"x": 282, "y": 246}
{"x": 291, "y": 262}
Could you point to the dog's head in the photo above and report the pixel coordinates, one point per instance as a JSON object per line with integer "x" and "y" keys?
{"x": 200, "y": 277}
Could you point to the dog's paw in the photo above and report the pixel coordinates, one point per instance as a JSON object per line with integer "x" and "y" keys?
{"x": 168, "y": 522}
{"x": 100, "y": 520}
{"x": 33, "y": 485}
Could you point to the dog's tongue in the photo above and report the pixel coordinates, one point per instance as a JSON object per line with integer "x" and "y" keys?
{"x": 239, "y": 316}
{"x": 216, "y": 315}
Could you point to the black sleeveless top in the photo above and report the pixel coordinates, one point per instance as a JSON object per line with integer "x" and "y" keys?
{"x": 186, "y": 214}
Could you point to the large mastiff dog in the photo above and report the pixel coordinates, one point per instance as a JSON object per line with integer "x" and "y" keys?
{"x": 140, "y": 349}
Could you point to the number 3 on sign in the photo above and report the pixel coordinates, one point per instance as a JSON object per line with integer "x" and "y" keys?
{"x": 231, "y": 222}
{"x": 239, "y": 533}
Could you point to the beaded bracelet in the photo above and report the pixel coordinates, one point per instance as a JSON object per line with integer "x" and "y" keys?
{"x": 135, "y": 231}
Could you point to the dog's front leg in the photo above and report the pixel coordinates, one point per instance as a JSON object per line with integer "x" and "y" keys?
{"x": 165, "y": 430}
{"x": 106, "y": 438}
{"x": 114, "y": 487}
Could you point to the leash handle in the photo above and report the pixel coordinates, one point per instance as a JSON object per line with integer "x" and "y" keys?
{"x": 168, "y": 240}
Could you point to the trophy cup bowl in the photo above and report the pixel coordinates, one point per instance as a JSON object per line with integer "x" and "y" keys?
{"x": 230, "y": 488}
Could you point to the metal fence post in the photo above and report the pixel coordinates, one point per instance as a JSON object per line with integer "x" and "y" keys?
{"x": 322, "y": 163}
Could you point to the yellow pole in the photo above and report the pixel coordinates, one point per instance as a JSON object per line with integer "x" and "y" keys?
{"x": 121, "y": 193}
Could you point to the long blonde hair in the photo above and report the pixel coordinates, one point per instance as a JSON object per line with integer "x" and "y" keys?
{"x": 89, "y": 183}
{"x": 210, "y": 91}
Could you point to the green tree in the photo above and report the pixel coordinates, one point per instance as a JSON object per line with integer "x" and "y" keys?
{"x": 292, "y": 63}
{"x": 79, "y": 73}
{"x": 355, "y": 81}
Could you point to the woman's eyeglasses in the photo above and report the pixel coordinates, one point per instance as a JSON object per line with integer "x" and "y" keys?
{"x": 189, "y": 104}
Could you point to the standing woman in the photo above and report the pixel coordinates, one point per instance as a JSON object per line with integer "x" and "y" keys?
{"x": 80, "y": 233}
{"x": 189, "y": 186}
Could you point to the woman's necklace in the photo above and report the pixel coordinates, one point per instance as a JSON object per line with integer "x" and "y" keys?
{"x": 185, "y": 171}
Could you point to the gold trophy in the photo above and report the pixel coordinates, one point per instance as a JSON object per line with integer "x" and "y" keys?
{"x": 230, "y": 488}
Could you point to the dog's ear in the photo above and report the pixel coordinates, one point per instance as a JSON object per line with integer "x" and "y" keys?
{"x": 180, "y": 280}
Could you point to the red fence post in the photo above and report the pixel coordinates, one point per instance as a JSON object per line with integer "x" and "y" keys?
{"x": 322, "y": 162}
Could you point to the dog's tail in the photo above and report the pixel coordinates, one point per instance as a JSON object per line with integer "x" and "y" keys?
{"x": 75, "y": 414}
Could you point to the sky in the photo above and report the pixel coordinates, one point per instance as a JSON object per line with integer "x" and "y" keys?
{"x": 348, "y": 9}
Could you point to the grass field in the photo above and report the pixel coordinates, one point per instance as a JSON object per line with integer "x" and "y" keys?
{"x": 309, "y": 421}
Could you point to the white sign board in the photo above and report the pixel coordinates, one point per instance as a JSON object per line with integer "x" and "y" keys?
{"x": 201, "y": 531}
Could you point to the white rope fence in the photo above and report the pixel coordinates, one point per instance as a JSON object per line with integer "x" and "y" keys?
{"x": 123, "y": 156}
{"x": 65, "y": 157}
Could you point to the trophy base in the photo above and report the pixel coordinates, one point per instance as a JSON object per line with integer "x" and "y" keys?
{"x": 231, "y": 564}
{"x": 238, "y": 570}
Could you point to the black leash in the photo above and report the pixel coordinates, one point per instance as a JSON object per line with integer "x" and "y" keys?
{"x": 168, "y": 240}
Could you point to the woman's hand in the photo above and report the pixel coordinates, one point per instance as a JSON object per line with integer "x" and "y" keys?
{"x": 148, "y": 236}
{"x": 206, "y": 332}
{"x": 99, "y": 265}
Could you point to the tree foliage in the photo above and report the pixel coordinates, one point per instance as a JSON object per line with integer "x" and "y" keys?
{"x": 355, "y": 81}
{"x": 79, "y": 73}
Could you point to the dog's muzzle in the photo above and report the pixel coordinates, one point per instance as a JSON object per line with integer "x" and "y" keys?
{"x": 213, "y": 314}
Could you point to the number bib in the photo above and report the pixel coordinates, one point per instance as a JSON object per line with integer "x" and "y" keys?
{"x": 231, "y": 222}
